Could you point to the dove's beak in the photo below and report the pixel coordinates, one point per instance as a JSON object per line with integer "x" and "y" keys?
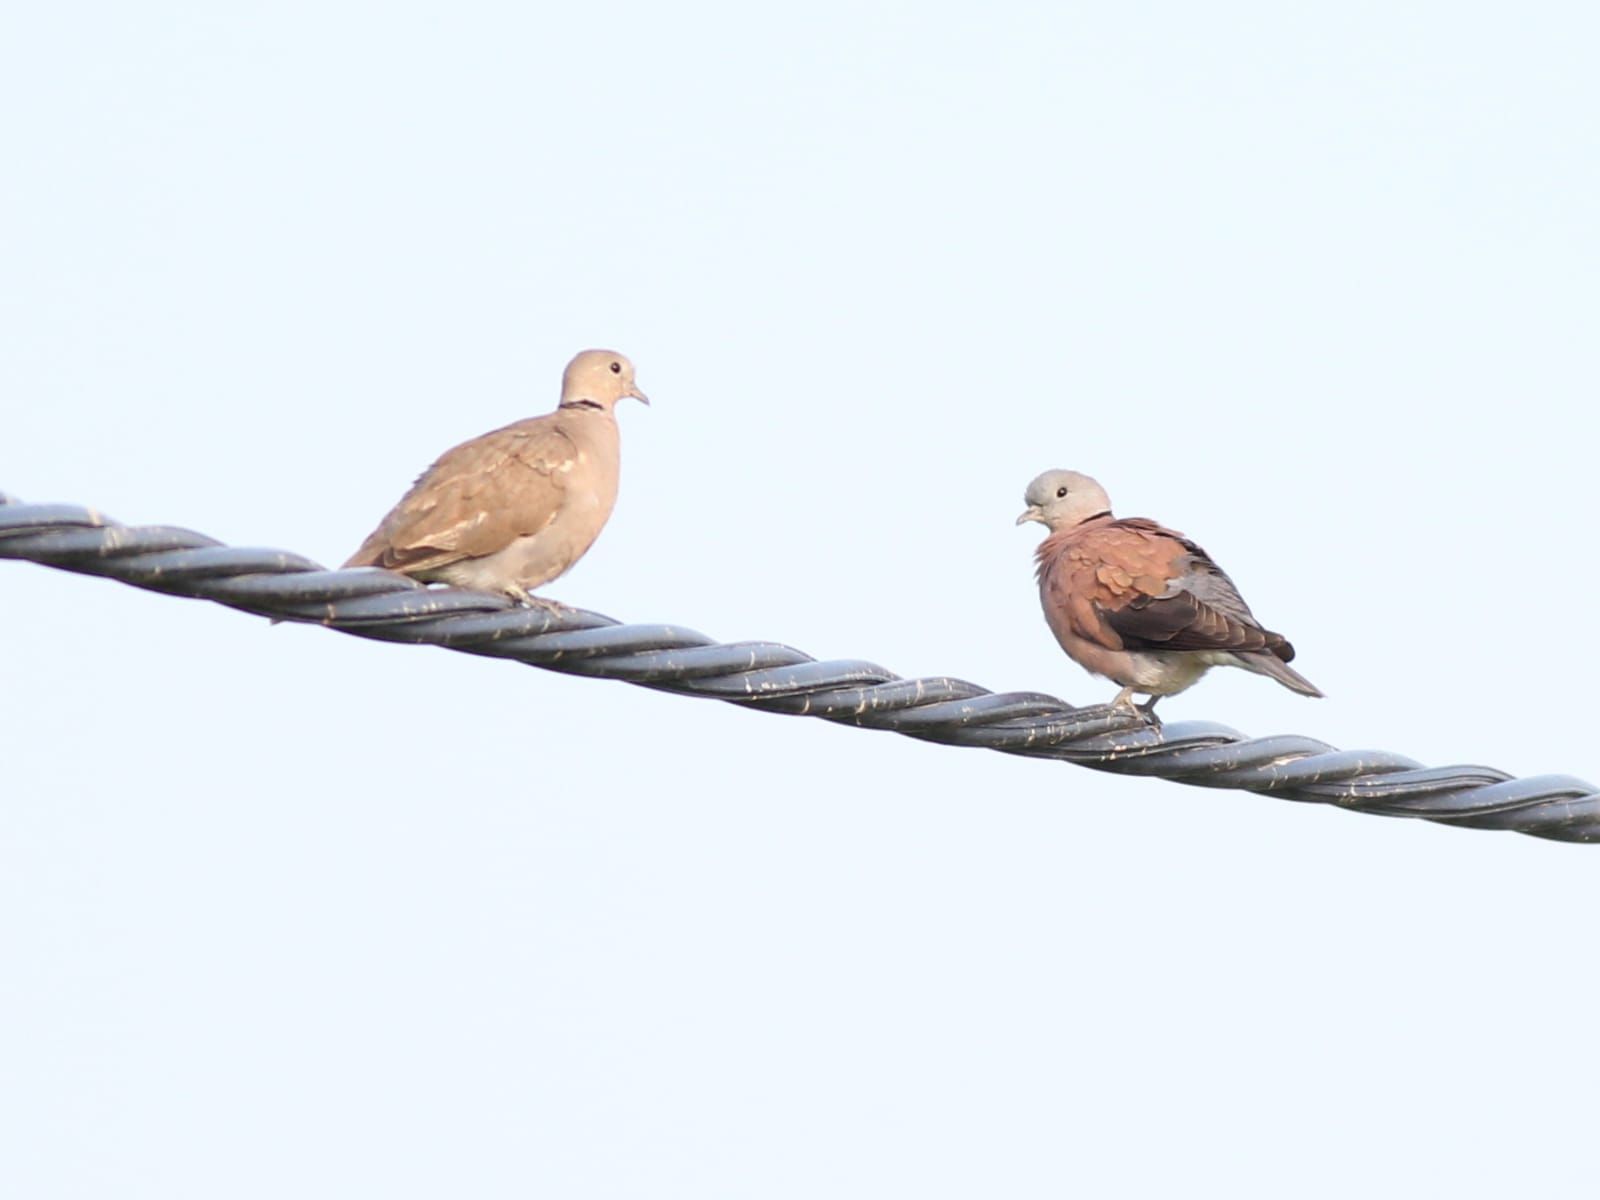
{"x": 633, "y": 390}
{"x": 1033, "y": 513}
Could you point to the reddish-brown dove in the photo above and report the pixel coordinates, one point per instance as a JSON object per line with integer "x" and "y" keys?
{"x": 1140, "y": 604}
{"x": 513, "y": 509}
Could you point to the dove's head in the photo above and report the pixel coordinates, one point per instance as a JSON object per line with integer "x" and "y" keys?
{"x": 598, "y": 379}
{"x": 1062, "y": 499}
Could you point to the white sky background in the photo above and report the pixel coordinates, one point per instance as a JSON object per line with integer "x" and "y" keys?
{"x": 286, "y": 913}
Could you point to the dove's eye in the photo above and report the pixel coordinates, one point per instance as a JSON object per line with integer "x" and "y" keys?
{"x": 1060, "y": 492}
{"x": 616, "y": 368}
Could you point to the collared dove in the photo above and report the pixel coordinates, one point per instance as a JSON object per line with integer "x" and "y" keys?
{"x": 513, "y": 509}
{"x": 1140, "y": 604}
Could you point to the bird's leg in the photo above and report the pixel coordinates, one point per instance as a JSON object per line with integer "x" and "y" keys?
{"x": 1124, "y": 699}
{"x": 1148, "y": 711}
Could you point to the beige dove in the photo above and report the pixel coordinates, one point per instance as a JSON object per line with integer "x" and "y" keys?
{"x": 1140, "y": 604}
{"x": 513, "y": 509}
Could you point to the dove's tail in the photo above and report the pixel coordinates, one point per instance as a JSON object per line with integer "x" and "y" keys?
{"x": 1273, "y": 667}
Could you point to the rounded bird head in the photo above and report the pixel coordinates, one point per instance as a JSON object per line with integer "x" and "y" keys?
{"x": 599, "y": 378}
{"x": 1062, "y": 499}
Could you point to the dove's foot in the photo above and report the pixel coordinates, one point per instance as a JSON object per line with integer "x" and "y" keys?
{"x": 1146, "y": 712}
{"x": 528, "y": 600}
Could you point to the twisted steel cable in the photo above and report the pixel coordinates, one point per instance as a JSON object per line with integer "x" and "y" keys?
{"x": 767, "y": 675}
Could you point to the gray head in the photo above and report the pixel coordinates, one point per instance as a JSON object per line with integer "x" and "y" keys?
{"x": 1061, "y": 499}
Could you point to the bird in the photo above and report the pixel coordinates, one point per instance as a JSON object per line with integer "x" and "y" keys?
{"x": 513, "y": 509}
{"x": 1140, "y": 604}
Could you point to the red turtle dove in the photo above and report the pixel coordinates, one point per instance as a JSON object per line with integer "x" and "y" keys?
{"x": 1140, "y": 604}
{"x": 513, "y": 509}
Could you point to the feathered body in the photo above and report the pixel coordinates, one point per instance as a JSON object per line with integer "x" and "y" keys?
{"x": 1145, "y": 607}
{"x": 507, "y": 511}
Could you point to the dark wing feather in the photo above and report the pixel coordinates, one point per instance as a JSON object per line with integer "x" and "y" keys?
{"x": 1200, "y": 609}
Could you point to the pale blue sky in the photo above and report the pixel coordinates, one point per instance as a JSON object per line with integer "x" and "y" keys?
{"x": 286, "y": 913}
